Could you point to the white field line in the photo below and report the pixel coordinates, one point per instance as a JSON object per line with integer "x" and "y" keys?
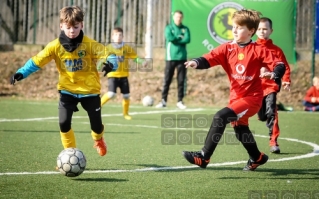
{"x": 308, "y": 155}
{"x": 103, "y": 115}
{"x": 57, "y": 104}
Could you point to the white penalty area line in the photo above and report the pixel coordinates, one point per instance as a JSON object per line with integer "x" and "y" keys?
{"x": 308, "y": 155}
{"x": 104, "y": 115}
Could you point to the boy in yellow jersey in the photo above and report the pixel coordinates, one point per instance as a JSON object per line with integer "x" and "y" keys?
{"x": 119, "y": 77}
{"x": 75, "y": 56}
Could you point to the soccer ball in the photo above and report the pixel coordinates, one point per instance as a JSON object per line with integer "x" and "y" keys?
{"x": 71, "y": 162}
{"x": 148, "y": 101}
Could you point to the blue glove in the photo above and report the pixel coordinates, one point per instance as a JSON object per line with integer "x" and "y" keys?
{"x": 113, "y": 60}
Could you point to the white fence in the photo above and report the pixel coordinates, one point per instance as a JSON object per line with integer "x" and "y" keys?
{"x": 37, "y": 21}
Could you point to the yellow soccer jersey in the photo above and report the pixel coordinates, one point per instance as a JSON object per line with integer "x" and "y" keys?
{"x": 124, "y": 54}
{"x": 78, "y": 72}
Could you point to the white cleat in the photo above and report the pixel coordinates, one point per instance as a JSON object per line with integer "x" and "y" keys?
{"x": 180, "y": 105}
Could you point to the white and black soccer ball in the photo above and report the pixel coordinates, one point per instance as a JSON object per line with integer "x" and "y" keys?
{"x": 71, "y": 162}
{"x": 148, "y": 101}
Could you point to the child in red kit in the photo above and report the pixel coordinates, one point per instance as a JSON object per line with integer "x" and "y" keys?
{"x": 311, "y": 100}
{"x": 242, "y": 60}
{"x": 268, "y": 111}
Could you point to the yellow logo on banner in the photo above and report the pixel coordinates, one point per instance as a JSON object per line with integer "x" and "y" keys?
{"x": 219, "y": 22}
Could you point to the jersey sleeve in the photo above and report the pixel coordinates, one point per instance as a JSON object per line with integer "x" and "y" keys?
{"x": 169, "y": 36}
{"x": 45, "y": 55}
{"x": 186, "y": 37}
{"x": 38, "y": 61}
{"x": 99, "y": 53}
{"x": 269, "y": 59}
{"x": 281, "y": 56}
{"x": 216, "y": 56}
{"x": 131, "y": 53}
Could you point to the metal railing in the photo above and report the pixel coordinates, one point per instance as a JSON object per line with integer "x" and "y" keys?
{"x": 37, "y": 21}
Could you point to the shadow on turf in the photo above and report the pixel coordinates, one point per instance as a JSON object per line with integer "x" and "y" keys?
{"x": 101, "y": 179}
{"x": 274, "y": 173}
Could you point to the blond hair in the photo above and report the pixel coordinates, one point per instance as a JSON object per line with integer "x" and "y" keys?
{"x": 71, "y": 15}
{"x": 249, "y": 18}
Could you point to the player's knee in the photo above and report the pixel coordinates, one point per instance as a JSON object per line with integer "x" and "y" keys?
{"x": 111, "y": 94}
{"x": 224, "y": 116}
{"x": 126, "y": 96}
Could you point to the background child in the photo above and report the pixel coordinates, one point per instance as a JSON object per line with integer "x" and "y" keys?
{"x": 79, "y": 80}
{"x": 311, "y": 99}
{"x": 119, "y": 78}
{"x": 243, "y": 69}
{"x": 268, "y": 111}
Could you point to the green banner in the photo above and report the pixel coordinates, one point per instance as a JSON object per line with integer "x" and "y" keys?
{"x": 210, "y": 22}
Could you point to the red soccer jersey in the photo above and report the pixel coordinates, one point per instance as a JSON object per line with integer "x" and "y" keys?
{"x": 242, "y": 65}
{"x": 270, "y": 86}
{"x": 312, "y": 92}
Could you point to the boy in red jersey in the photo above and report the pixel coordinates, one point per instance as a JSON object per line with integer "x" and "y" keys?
{"x": 311, "y": 100}
{"x": 242, "y": 60}
{"x": 268, "y": 111}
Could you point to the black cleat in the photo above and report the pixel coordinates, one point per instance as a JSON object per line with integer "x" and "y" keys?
{"x": 252, "y": 165}
{"x": 196, "y": 157}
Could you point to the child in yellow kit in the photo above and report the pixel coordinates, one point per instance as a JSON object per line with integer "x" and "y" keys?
{"x": 76, "y": 57}
{"x": 119, "y": 77}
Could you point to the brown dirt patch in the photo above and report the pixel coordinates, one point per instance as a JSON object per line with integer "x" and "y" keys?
{"x": 205, "y": 87}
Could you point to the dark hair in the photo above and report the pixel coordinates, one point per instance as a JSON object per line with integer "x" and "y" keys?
{"x": 264, "y": 19}
{"x": 178, "y": 11}
{"x": 118, "y": 29}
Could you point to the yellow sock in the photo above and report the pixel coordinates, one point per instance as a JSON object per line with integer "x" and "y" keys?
{"x": 96, "y": 136}
{"x": 68, "y": 139}
{"x": 126, "y": 105}
{"x": 105, "y": 98}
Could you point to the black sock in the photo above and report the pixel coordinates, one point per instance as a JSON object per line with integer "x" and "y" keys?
{"x": 217, "y": 128}
{"x": 245, "y": 136}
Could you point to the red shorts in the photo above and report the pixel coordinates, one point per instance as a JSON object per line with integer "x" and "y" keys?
{"x": 245, "y": 108}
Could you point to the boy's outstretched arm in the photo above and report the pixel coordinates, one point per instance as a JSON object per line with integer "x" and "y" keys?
{"x": 23, "y": 72}
{"x": 198, "y": 63}
{"x": 279, "y": 70}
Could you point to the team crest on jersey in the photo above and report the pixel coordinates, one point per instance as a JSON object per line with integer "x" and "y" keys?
{"x": 241, "y": 56}
{"x": 81, "y": 53}
{"x": 219, "y": 23}
{"x": 183, "y": 30}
